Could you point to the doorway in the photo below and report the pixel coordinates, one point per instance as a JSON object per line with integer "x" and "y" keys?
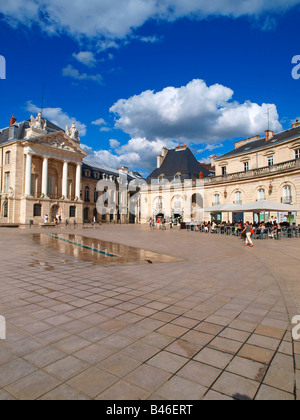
{"x": 54, "y": 212}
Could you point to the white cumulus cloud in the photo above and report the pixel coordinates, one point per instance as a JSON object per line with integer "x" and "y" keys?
{"x": 109, "y": 20}
{"x": 86, "y": 57}
{"x": 138, "y": 153}
{"x": 58, "y": 117}
{"x": 195, "y": 113}
{"x": 73, "y": 73}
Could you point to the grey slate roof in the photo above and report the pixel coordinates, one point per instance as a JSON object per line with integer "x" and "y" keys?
{"x": 95, "y": 169}
{"x": 20, "y": 131}
{"x": 260, "y": 144}
{"x": 182, "y": 161}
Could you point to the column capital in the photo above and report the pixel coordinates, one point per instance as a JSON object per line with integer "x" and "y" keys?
{"x": 28, "y": 151}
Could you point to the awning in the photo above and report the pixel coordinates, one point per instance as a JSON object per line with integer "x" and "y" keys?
{"x": 264, "y": 205}
{"x": 223, "y": 208}
{"x": 255, "y": 207}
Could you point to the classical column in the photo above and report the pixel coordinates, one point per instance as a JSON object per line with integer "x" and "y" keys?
{"x": 28, "y": 175}
{"x": 45, "y": 177}
{"x": 78, "y": 181}
{"x": 65, "y": 180}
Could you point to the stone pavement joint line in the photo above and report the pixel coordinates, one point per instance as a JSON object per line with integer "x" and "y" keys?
{"x": 214, "y": 323}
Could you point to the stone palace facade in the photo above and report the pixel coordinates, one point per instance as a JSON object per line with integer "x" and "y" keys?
{"x": 42, "y": 173}
{"x": 259, "y": 168}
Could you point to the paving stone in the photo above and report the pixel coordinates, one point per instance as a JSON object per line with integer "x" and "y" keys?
{"x": 236, "y": 386}
{"x": 183, "y": 330}
{"x": 33, "y": 386}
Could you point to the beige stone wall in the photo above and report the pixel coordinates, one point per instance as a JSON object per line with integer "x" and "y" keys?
{"x": 280, "y": 153}
{"x": 273, "y": 186}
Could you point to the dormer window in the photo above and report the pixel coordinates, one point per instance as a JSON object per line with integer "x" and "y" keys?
{"x": 177, "y": 177}
{"x": 161, "y": 178}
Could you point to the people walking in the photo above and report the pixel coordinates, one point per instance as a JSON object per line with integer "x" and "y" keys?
{"x": 248, "y": 230}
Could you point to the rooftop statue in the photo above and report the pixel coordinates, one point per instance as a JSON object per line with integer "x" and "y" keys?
{"x": 73, "y": 133}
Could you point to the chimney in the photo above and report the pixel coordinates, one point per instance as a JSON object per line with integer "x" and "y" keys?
{"x": 160, "y": 160}
{"x": 123, "y": 169}
{"x": 296, "y": 124}
{"x": 12, "y": 128}
{"x": 269, "y": 135}
{"x": 13, "y": 120}
{"x": 180, "y": 148}
{"x": 242, "y": 143}
{"x": 164, "y": 152}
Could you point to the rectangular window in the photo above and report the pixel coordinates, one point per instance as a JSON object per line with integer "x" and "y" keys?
{"x": 72, "y": 211}
{"x": 7, "y": 158}
{"x": 6, "y": 182}
{"x": 246, "y": 166}
{"x": 297, "y": 154}
{"x": 271, "y": 161}
{"x": 37, "y": 210}
{"x": 224, "y": 170}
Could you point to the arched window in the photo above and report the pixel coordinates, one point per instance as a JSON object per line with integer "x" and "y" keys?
{"x": 95, "y": 214}
{"x": 37, "y": 210}
{"x": 261, "y": 194}
{"x": 216, "y": 199}
{"x": 87, "y": 194}
{"x": 96, "y": 195}
{"x": 287, "y": 194}
{"x": 177, "y": 177}
{"x": 177, "y": 202}
{"x": 238, "y": 197}
{"x": 161, "y": 178}
{"x": 158, "y": 203}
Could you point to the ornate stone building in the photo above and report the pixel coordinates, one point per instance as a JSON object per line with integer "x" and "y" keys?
{"x": 110, "y": 189}
{"x": 42, "y": 173}
{"x": 41, "y": 169}
{"x": 258, "y": 168}
{"x": 175, "y": 189}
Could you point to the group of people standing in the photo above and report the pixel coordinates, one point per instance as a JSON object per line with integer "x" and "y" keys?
{"x": 160, "y": 223}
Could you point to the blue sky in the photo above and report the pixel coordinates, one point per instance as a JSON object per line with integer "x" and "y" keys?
{"x": 138, "y": 75}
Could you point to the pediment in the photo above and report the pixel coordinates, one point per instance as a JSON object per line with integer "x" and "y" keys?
{"x": 60, "y": 141}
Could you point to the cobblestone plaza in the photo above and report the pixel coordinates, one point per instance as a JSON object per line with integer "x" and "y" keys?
{"x": 213, "y": 322}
